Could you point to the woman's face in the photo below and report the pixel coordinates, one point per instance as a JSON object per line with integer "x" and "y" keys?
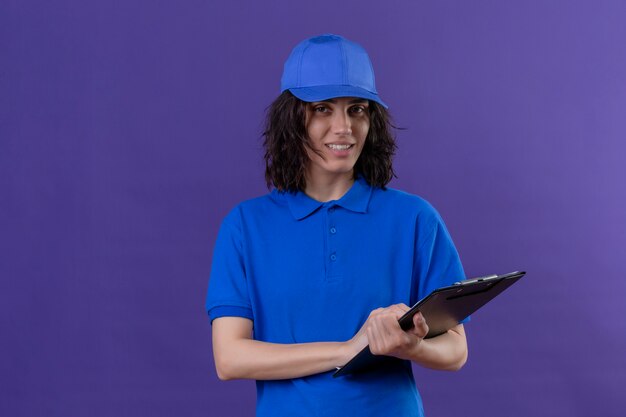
{"x": 337, "y": 129}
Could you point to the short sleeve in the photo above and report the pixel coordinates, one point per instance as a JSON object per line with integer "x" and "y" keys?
{"x": 228, "y": 289}
{"x": 437, "y": 262}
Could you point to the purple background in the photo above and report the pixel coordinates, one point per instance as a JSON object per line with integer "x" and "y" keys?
{"x": 128, "y": 129}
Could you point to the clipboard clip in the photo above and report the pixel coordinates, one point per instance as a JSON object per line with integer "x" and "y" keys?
{"x": 473, "y": 280}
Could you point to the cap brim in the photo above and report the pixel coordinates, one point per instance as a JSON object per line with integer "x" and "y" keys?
{"x": 325, "y": 92}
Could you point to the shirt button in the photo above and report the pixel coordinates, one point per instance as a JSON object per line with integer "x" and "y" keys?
{"x": 333, "y": 230}
{"x": 333, "y": 257}
{"x": 330, "y": 210}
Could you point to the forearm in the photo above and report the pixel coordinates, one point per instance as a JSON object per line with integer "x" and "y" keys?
{"x": 238, "y": 356}
{"x": 252, "y": 359}
{"x": 444, "y": 352}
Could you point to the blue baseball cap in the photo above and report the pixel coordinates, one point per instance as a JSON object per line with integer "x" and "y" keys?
{"x": 329, "y": 66}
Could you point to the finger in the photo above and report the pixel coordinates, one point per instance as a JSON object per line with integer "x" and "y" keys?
{"x": 390, "y": 325}
{"x": 383, "y": 332}
{"x": 420, "y": 328}
{"x": 376, "y": 311}
{"x": 403, "y": 307}
{"x": 397, "y": 310}
{"x": 372, "y": 340}
{"x": 391, "y": 329}
{"x": 400, "y": 307}
{"x": 375, "y": 338}
{"x": 396, "y": 340}
{"x": 379, "y": 328}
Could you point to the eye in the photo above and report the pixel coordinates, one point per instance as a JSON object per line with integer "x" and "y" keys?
{"x": 358, "y": 109}
{"x": 320, "y": 108}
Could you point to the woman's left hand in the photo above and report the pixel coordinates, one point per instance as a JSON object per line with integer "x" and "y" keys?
{"x": 382, "y": 332}
{"x": 386, "y": 337}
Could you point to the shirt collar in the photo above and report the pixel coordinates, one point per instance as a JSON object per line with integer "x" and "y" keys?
{"x": 356, "y": 199}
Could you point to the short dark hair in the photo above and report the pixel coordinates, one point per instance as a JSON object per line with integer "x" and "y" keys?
{"x": 286, "y": 140}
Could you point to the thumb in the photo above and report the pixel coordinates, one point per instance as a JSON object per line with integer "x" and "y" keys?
{"x": 420, "y": 328}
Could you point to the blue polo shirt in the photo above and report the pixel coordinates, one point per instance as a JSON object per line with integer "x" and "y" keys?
{"x": 307, "y": 271}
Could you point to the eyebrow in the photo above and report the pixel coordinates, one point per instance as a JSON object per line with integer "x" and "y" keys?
{"x": 353, "y": 101}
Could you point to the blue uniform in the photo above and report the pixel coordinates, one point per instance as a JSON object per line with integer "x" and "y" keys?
{"x": 306, "y": 271}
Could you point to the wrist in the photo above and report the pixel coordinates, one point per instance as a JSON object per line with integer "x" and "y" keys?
{"x": 346, "y": 351}
{"x": 416, "y": 351}
{"x": 343, "y": 353}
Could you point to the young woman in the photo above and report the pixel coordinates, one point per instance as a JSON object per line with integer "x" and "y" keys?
{"x": 306, "y": 276}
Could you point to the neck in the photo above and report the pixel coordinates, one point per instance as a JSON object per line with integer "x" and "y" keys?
{"x": 328, "y": 188}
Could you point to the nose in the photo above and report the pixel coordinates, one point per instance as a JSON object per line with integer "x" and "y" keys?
{"x": 342, "y": 125}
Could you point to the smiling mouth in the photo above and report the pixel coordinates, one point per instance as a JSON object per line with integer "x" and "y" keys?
{"x": 339, "y": 147}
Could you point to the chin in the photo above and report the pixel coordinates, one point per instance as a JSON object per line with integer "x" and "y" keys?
{"x": 341, "y": 170}
{"x": 332, "y": 168}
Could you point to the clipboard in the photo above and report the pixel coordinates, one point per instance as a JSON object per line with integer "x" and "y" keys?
{"x": 442, "y": 309}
